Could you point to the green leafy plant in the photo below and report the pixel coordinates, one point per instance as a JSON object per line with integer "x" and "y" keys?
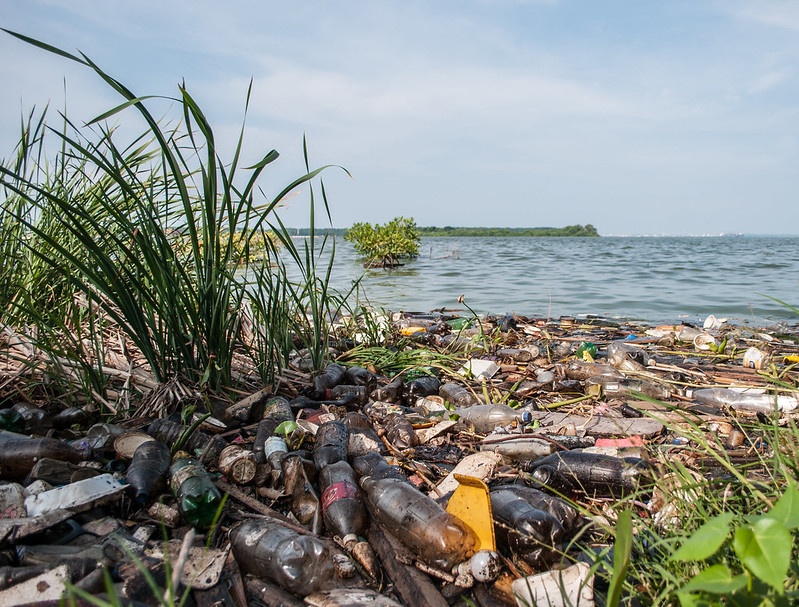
{"x": 157, "y": 239}
{"x": 763, "y": 544}
{"x": 384, "y": 246}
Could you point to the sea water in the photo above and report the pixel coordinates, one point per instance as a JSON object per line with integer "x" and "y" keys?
{"x": 652, "y": 279}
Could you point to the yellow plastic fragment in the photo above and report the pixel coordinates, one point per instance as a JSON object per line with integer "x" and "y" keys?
{"x": 411, "y": 330}
{"x": 792, "y": 358}
{"x": 471, "y": 503}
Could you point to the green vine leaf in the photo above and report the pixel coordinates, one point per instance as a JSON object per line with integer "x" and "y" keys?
{"x": 765, "y": 549}
{"x": 706, "y": 540}
{"x": 717, "y": 579}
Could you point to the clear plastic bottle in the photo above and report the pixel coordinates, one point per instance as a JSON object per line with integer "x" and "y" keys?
{"x": 485, "y": 418}
{"x": 360, "y": 376}
{"x": 148, "y": 470}
{"x": 301, "y": 564}
{"x": 197, "y": 496}
{"x": 755, "y": 401}
{"x": 305, "y": 503}
{"x": 433, "y": 535}
{"x": 618, "y": 386}
{"x": 627, "y": 357}
{"x": 457, "y": 395}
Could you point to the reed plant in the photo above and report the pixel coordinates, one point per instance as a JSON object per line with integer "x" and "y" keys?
{"x": 150, "y": 236}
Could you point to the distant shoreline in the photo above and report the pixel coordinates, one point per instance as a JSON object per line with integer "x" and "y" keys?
{"x": 575, "y": 230}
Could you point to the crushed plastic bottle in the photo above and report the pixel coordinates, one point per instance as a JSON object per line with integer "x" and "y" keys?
{"x": 432, "y": 534}
{"x": 457, "y": 395}
{"x": 301, "y": 564}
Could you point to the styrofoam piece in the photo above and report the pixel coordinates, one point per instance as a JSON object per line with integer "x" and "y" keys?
{"x": 480, "y": 465}
{"x": 49, "y": 586}
{"x": 479, "y": 368}
{"x": 77, "y": 496}
{"x": 569, "y": 587}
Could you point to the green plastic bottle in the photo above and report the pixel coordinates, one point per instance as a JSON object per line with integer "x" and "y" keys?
{"x": 197, "y": 496}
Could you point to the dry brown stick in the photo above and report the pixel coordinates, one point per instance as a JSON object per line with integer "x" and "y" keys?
{"x": 413, "y": 586}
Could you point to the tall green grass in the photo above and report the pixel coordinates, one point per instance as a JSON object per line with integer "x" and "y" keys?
{"x": 150, "y": 237}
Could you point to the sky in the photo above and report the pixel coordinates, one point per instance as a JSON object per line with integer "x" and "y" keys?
{"x": 678, "y": 117}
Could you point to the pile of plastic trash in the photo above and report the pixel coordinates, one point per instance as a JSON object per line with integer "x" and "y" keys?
{"x": 481, "y": 483}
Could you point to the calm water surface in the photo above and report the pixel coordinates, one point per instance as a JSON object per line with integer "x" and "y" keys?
{"x": 652, "y": 279}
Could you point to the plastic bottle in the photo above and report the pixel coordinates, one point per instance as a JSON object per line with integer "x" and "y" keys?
{"x": 745, "y": 400}
{"x": 375, "y": 465}
{"x": 612, "y": 386}
{"x": 197, "y": 496}
{"x": 532, "y": 534}
{"x": 360, "y": 393}
{"x": 594, "y": 474}
{"x": 275, "y": 449}
{"x": 332, "y": 376}
{"x": 400, "y": 431}
{"x": 11, "y": 420}
{"x": 580, "y": 369}
{"x": 331, "y": 443}
{"x": 627, "y": 357}
{"x": 19, "y": 454}
{"x": 485, "y": 418}
{"x": 305, "y": 503}
{"x": 566, "y": 514}
{"x": 301, "y": 564}
{"x": 432, "y": 534}
{"x": 37, "y": 420}
{"x": 148, "y": 470}
{"x": 421, "y": 386}
{"x": 457, "y": 395}
{"x": 343, "y": 510}
{"x": 276, "y": 411}
{"x": 360, "y": 376}
{"x": 518, "y": 355}
{"x": 390, "y": 393}
{"x": 198, "y": 443}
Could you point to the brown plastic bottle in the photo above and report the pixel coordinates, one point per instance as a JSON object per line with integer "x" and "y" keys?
{"x": 299, "y": 563}
{"x": 343, "y": 510}
{"x": 400, "y": 432}
{"x": 330, "y": 377}
{"x": 148, "y": 470}
{"x": 331, "y": 443}
{"x": 433, "y": 535}
{"x": 18, "y": 455}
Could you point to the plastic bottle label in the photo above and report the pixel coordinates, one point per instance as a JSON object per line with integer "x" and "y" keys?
{"x": 338, "y": 491}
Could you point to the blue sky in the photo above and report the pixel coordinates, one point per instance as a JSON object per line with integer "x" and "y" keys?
{"x": 677, "y": 117}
